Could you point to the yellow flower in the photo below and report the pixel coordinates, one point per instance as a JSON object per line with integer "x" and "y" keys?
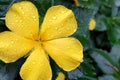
{"x": 92, "y": 24}
{"x": 51, "y": 39}
{"x": 76, "y": 2}
{"x": 60, "y": 76}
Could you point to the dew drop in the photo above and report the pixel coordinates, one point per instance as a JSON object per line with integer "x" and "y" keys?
{"x": 20, "y": 7}
{"x": 25, "y": 48}
{"x": 22, "y": 12}
{"x": 62, "y": 12}
{"x": 12, "y": 42}
{"x": 20, "y": 21}
{"x": 34, "y": 17}
{"x": 68, "y": 28}
{"x": 15, "y": 50}
{"x": 48, "y": 34}
{"x": 74, "y": 30}
{"x": 16, "y": 21}
{"x": 28, "y": 69}
{"x": 48, "y": 26}
{"x": 56, "y": 28}
{"x": 16, "y": 39}
{"x": 33, "y": 62}
{"x": 68, "y": 47}
{"x": 54, "y": 18}
{"x": 59, "y": 32}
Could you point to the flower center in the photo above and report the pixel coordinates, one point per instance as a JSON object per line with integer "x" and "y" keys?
{"x": 39, "y": 43}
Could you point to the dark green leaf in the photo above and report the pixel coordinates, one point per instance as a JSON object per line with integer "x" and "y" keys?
{"x": 4, "y": 6}
{"x": 99, "y": 23}
{"x": 106, "y": 77}
{"x": 103, "y": 60}
{"x": 115, "y": 53}
{"x": 11, "y": 70}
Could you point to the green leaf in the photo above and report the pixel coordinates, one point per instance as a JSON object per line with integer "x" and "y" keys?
{"x": 115, "y": 53}
{"x": 75, "y": 74}
{"x": 87, "y": 68}
{"x": 99, "y": 23}
{"x": 117, "y": 3}
{"x": 103, "y": 60}
{"x": 107, "y": 77}
{"x": 4, "y": 6}
{"x": 83, "y": 17}
{"x": 113, "y": 31}
{"x": 11, "y": 70}
{"x": 90, "y": 4}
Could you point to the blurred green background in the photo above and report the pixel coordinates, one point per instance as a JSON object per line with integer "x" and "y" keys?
{"x": 101, "y": 46}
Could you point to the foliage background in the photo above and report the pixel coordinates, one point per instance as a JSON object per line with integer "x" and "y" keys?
{"x": 101, "y": 46}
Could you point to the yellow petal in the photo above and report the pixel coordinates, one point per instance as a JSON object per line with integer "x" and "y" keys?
{"x": 36, "y": 66}
{"x": 76, "y": 2}
{"x": 66, "y": 52}
{"x": 13, "y": 47}
{"x": 22, "y": 18}
{"x": 58, "y": 22}
{"x": 92, "y": 24}
{"x": 61, "y": 76}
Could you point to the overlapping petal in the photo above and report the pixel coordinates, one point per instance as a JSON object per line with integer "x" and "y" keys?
{"x": 22, "y": 18}
{"x": 66, "y": 52}
{"x": 58, "y": 22}
{"x": 60, "y": 76}
{"x": 36, "y": 67}
{"x": 13, "y": 47}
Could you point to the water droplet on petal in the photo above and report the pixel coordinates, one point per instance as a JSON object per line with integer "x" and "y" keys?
{"x": 22, "y": 12}
{"x": 68, "y": 28}
{"x": 33, "y": 62}
{"x": 56, "y": 28}
{"x": 33, "y": 16}
{"x": 62, "y": 12}
{"x": 68, "y": 47}
{"x": 54, "y": 17}
{"x": 20, "y": 20}
{"x": 48, "y": 34}
{"x": 16, "y": 39}
{"x": 12, "y": 42}
{"x": 74, "y": 30}
{"x": 16, "y": 21}
{"x": 15, "y": 50}
{"x": 48, "y": 26}
{"x": 59, "y": 32}
{"x": 20, "y": 7}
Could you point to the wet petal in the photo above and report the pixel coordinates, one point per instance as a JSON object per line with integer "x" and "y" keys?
{"x": 22, "y": 18}
{"x": 36, "y": 66}
{"x": 60, "y": 76}
{"x": 13, "y": 47}
{"x": 66, "y": 52}
{"x": 58, "y": 22}
{"x": 92, "y": 24}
